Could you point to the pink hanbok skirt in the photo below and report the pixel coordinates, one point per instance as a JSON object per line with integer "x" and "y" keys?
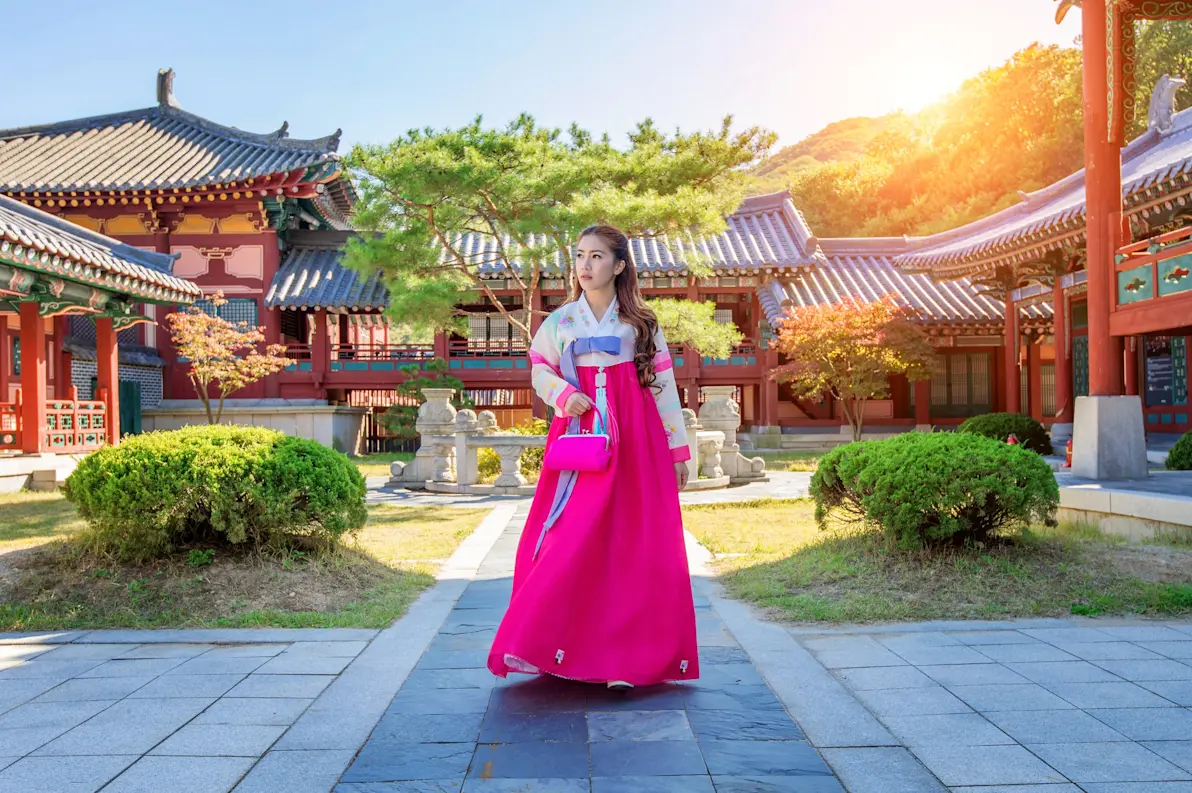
{"x": 609, "y": 595}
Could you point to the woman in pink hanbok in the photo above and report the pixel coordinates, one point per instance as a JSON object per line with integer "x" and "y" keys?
{"x": 601, "y": 589}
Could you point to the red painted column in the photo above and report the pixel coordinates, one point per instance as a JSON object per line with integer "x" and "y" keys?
{"x": 270, "y": 317}
{"x": 922, "y": 402}
{"x": 1012, "y": 382}
{"x": 33, "y": 380}
{"x": 320, "y": 351}
{"x": 1063, "y": 360}
{"x": 1130, "y": 364}
{"x": 62, "y": 377}
{"x": 108, "y": 376}
{"x": 1034, "y": 382}
{"x": 1103, "y": 180}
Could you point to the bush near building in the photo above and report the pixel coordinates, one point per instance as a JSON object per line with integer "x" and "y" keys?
{"x": 225, "y": 485}
{"x": 931, "y": 489}
{"x": 1180, "y": 456}
{"x": 999, "y": 426}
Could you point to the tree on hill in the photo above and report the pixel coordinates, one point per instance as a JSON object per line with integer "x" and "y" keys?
{"x": 839, "y": 142}
{"x": 529, "y": 190}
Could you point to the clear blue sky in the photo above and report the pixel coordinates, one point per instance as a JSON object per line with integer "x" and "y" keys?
{"x": 379, "y": 68}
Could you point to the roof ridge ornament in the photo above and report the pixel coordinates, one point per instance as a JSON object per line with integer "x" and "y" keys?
{"x": 165, "y": 88}
{"x": 1161, "y": 114}
{"x": 1064, "y": 7}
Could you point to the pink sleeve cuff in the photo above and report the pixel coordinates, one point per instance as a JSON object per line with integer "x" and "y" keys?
{"x": 680, "y": 454}
{"x": 561, "y": 402}
{"x": 663, "y": 362}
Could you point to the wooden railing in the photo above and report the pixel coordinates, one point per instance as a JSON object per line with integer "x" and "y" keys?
{"x": 74, "y": 425}
{"x": 382, "y": 352}
{"x": 486, "y": 348}
{"x": 10, "y": 423}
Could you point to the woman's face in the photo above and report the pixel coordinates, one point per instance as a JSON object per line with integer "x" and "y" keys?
{"x": 595, "y": 264}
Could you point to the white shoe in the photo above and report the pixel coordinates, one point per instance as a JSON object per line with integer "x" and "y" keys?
{"x": 619, "y": 685}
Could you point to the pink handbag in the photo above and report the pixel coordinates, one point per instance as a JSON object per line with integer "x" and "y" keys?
{"x": 583, "y": 452}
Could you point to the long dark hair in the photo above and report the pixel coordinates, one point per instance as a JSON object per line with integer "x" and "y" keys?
{"x": 631, "y": 306}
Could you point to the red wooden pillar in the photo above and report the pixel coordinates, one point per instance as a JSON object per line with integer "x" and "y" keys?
{"x": 320, "y": 345}
{"x": 534, "y": 320}
{"x": 62, "y": 375}
{"x": 1012, "y": 382}
{"x": 5, "y": 359}
{"x": 768, "y": 391}
{"x": 1130, "y": 364}
{"x": 1034, "y": 382}
{"x": 108, "y": 376}
{"x": 1103, "y": 187}
{"x": 922, "y": 403}
{"x": 1063, "y": 360}
{"x": 33, "y": 379}
{"x": 270, "y": 317}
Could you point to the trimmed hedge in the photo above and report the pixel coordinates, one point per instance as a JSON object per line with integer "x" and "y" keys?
{"x": 1180, "y": 456}
{"x": 240, "y": 485}
{"x": 1030, "y": 433}
{"x": 489, "y": 462}
{"x": 926, "y": 489}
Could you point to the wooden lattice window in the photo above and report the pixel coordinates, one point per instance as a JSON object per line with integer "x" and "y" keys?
{"x": 1080, "y": 366}
{"x": 235, "y": 310}
{"x": 960, "y": 385}
{"x": 1047, "y": 388}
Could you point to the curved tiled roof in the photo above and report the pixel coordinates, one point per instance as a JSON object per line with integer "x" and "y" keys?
{"x": 311, "y": 276}
{"x": 40, "y": 241}
{"x": 152, "y": 148}
{"x": 1155, "y": 163}
{"x": 864, "y": 269}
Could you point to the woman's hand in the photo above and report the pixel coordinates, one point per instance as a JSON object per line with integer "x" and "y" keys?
{"x": 681, "y": 474}
{"x": 577, "y": 404}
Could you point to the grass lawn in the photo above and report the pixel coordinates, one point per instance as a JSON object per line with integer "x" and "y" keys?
{"x": 47, "y": 583}
{"x": 795, "y": 460}
{"x": 771, "y": 553}
{"x": 378, "y": 464}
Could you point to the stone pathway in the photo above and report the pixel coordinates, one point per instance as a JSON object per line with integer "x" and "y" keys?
{"x": 455, "y": 727}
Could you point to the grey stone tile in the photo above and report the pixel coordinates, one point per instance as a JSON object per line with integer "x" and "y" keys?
{"x": 977, "y": 638}
{"x": 552, "y": 695}
{"x": 62, "y": 774}
{"x": 1111, "y": 651}
{"x": 1022, "y": 697}
{"x": 532, "y": 761}
{"x": 1177, "y": 691}
{"x": 1053, "y": 726}
{"x": 42, "y": 637}
{"x": 1064, "y": 672}
{"x": 862, "y": 656}
{"x": 743, "y": 697}
{"x": 296, "y": 772}
{"x": 60, "y": 715}
{"x": 22, "y": 741}
{"x": 88, "y": 652}
{"x": 291, "y": 664}
{"x": 780, "y": 784}
{"x": 723, "y": 655}
{"x": 23, "y": 652}
{"x": 327, "y": 649}
{"x": 1176, "y": 752}
{"x": 940, "y": 656}
{"x": 181, "y": 775}
{"x": 1068, "y": 635}
{"x": 739, "y": 725}
{"x": 81, "y": 689}
{"x": 668, "y": 697}
{"x": 422, "y": 678}
{"x": 1024, "y": 653}
{"x": 476, "y": 642}
{"x": 637, "y": 725}
{"x": 1107, "y": 762}
{"x": 504, "y": 727}
{"x": 379, "y": 762}
{"x": 762, "y": 758}
{"x": 1063, "y": 788}
{"x": 986, "y": 765}
{"x": 1135, "y": 671}
{"x": 298, "y": 686}
{"x": 646, "y": 758}
{"x": 948, "y": 729}
{"x": 163, "y": 651}
{"x": 1177, "y": 650}
{"x": 1144, "y": 633}
{"x": 141, "y": 667}
{"x": 881, "y": 770}
{"x": 729, "y": 675}
{"x": 518, "y": 786}
{"x": 228, "y": 635}
{"x": 1138, "y": 787}
{"x": 220, "y": 740}
{"x": 254, "y": 711}
{"x": 865, "y": 679}
{"x": 912, "y": 702}
{"x": 845, "y": 643}
{"x": 454, "y": 700}
{"x": 986, "y": 674}
{"x": 400, "y": 728}
{"x": 46, "y": 668}
{"x": 453, "y": 659}
{"x": 651, "y": 784}
{"x": 131, "y": 726}
{"x": 216, "y": 663}
{"x": 187, "y": 686}
{"x": 1148, "y": 724}
{"x": 1108, "y": 695}
{"x": 918, "y": 639}
{"x": 5, "y": 762}
{"x": 246, "y": 650}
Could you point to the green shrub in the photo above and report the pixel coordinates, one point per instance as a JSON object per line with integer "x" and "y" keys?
{"x": 489, "y": 461}
{"x": 1180, "y": 456}
{"x": 238, "y": 485}
{"x": 1030, "y": 433}
{"x": 927, "y": 489}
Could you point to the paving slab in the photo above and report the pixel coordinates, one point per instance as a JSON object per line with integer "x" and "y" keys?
{"x": 181, "y": 775}
{"x": 63, "y": 774}
{"x": 1149, "y": 724}
{"x": 986, "y": 765}
{"x": 296, "y": 772}
{"x": 882, "y": 770}
{"x": 1108, "y": 762}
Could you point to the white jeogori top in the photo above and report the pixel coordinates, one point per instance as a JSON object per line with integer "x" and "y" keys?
{"x": 577, "y": 320}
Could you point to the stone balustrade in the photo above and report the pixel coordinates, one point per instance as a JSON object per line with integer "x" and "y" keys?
{"x": 448, "y": 457}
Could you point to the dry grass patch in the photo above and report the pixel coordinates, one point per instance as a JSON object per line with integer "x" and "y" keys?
{"x": 772, "y": 553}
{"x": 378, "y": 464}
{"x": 806, "y": 460}
{"x": 48, "y": 582}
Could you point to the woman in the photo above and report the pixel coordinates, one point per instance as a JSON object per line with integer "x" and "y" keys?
{"x": 601, "y": 589}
